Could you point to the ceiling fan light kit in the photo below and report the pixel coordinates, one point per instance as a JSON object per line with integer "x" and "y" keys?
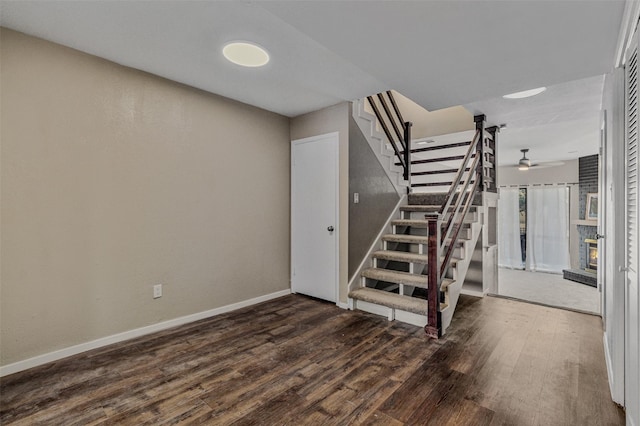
{"x": 525, "y": 164}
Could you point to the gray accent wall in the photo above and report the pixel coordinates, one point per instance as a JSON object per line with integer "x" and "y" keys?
{"x": 377, "y": 195}
{"x": 588, "y": 178}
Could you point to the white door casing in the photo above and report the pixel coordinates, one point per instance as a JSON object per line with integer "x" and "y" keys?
{"x": 602, "y": 217}
{"x": 614, "y": 241}
{"x": 314, "y": 216}
{"x": 632, "y": 254}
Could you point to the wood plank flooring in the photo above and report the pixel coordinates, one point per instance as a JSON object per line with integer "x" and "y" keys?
{"x": 295, "y": 360}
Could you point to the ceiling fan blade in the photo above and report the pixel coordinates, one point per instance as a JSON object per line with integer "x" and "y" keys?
{"x": 548, "y": 164}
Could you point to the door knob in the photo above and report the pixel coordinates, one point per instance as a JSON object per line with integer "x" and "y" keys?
{"x": 330, "y": 229}
{"x": 599, "y": 236}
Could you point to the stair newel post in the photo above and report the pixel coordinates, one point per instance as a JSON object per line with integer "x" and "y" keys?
{"x": 434, "y": 321}
{"x": 493, "y": 144}
{"x": 407, "y": 154}
{"x": 480, "y": 122}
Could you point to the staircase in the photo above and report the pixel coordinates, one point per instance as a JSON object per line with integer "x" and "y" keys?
{"x": 416, "y": 268}
{"x": 396, "y": 284}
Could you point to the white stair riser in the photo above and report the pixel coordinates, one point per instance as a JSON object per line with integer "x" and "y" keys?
{"x": 391, "y": 313}
{"x": 458, "y": 252}
{"x": 429, "y": 189}
{"x": 464, "y": 234}
{"x": 436, "y": 178}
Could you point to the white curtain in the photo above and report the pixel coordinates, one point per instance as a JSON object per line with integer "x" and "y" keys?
{"x": 548, "y": 229}
{"x": 509, "y": 251}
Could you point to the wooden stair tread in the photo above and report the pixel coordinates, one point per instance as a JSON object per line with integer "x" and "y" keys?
{"x": 419, "y": 208}
{"x": 414, "y": 223}
{"x": 401, "y": 256}
{"x": 416, "y": 239}
{"x": 427, "y": 208}
{"x": 441, "y": 183}
{"x": 390, "y": 300}
{"x": 405, "y": 238}
{"x": 399, "y": 277}
{"x": 423, "y": 223}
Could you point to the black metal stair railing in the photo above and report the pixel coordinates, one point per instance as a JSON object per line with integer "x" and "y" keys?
{"x": 443, "y": 237}
{"x": 390, "y": 118}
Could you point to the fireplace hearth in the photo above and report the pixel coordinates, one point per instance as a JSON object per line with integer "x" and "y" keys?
{"x": 587, "y": 275}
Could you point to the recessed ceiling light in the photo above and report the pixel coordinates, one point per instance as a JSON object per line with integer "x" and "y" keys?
{"x": 525, "y": 94}
{"x": 245, "y": 54}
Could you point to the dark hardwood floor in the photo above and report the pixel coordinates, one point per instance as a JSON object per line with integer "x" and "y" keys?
{"x": 297, "y": 361}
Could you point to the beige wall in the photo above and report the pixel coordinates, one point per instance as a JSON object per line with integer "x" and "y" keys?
{"x": 328, "y": 120}
{"x": 434, "y": 123}
{"x": 567, "y": 173}
{"x": 114, "y": 180}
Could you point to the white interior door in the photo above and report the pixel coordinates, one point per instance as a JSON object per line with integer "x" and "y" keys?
{"x": 632, "y": 298}
{"x": 314, "y": 216}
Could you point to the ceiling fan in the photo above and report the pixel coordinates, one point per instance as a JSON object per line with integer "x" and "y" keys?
{"x": 526, "y": 164}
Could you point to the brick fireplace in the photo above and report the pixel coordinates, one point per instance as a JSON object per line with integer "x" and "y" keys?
{"x": 591, "y": 255}
{"x": 587, "y": 228}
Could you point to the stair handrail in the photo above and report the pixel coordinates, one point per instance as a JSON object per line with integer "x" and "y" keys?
{"x": 393, "y": 120}
{"x": 401, "y": 128}
{"x": 438, "y": 235}
{"x": 456, "y": 209}
{"x": 457, "y": 226}
{"x": 454, "y": 185}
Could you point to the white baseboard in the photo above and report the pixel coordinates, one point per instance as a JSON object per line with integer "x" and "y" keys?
{"x": 607, "y": 357}
{"x": 5, "y": 370}
{"x": 411, "y": 318}
{"x": 342, "y": 305}
{"x": 616, "y": 384}
{"x": 375, "y": 309}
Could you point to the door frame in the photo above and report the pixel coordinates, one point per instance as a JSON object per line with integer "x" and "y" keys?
{"x": 631, "y": 362}
{"x": 335, "y": 137}
{"x": 602, "y": 216}
{"x": 614, "y": 320}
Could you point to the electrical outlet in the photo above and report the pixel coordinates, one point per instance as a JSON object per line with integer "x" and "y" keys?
{"x": 157, "y": 291}
{"x": 356, "y": 198}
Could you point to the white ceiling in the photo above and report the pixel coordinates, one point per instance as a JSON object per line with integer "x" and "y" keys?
{"x": 561, "y": 123}
{"x": 438, "y": 53}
